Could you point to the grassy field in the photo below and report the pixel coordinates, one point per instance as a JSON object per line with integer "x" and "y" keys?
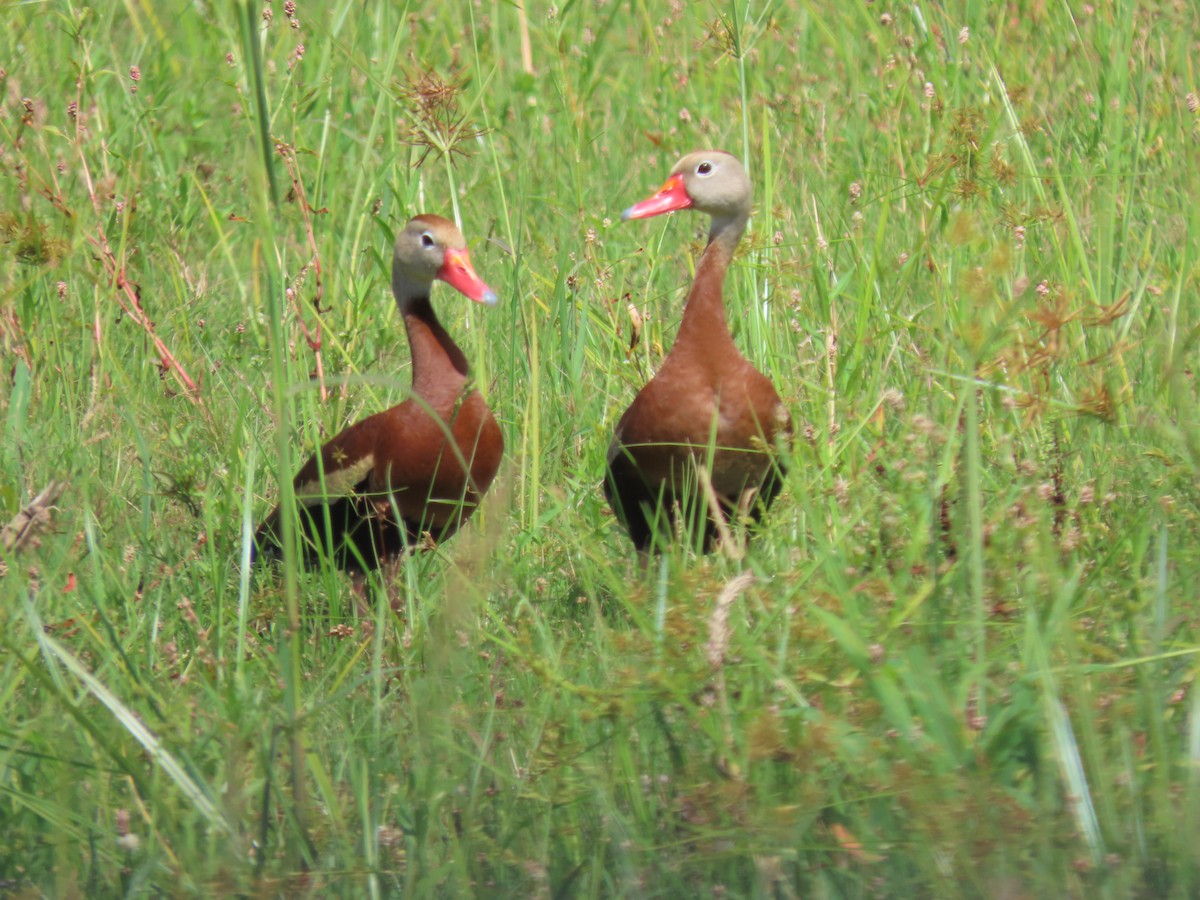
{"x": 961, "y": 659}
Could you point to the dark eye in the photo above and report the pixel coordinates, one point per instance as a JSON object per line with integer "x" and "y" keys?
{"x": 705, "y": 168}
{"x": 427, "y": 239}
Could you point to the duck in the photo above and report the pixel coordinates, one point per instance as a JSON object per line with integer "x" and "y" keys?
{"x": 708, "y": 418}
{"x": 410, "y": 476}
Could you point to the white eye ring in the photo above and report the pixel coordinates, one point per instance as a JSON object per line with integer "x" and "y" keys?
{"x": 427, "y": 239}
{"x": 705, "y": 169}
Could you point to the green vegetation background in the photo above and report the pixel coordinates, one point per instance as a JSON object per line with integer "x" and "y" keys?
{"x": 962, "y": 661}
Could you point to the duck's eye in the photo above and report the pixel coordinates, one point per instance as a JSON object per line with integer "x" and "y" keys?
{"x": 705, "y": 168}
{"x": 427, "y": 239}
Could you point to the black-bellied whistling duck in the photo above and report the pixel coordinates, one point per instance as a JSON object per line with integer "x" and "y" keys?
{"x": 420, "y": 468}
{"x": 708, "y": 415}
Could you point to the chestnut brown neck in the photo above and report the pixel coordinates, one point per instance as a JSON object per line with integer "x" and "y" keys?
{"x": 704, "y": 329}
{"x": 438, "y": 365}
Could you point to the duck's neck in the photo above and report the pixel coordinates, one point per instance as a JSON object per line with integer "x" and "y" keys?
{"x": 703, "y": 328}
{"x": 439, "y": 368}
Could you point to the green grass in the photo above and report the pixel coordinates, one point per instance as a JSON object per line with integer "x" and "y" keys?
{"x": 966, "y": 663}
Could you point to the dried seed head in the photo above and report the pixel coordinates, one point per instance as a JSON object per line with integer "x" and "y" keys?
{"x": 189, "y": 612}
{"x": 1071, "y": 540}
{"x": 129, "y": 842}
{"x": 841, "y": 490}
{"x": 718, "y": 624}
{"x": 389, "y": 836}
{"x": 434, "y": 120}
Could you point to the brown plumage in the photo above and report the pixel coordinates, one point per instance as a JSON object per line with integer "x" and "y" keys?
{"x": 707, "y": 408}
{"x": 421, "y": 467}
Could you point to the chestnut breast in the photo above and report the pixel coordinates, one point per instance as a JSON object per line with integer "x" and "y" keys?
{"x": 692, "y": 404}
{"x": 417, "y": 460}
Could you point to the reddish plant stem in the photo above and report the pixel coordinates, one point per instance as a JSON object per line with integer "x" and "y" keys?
{"x": 314, "y": 341}
{"x": 128, "y": 298}
{"x": 126, "y": 294}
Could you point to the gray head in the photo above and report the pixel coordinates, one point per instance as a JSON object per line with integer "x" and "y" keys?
{"x": 709, "y": 181}
{"x": 430, "y": 248}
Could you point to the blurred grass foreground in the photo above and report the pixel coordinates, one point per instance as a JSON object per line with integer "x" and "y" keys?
{"x": 959, "y": 660}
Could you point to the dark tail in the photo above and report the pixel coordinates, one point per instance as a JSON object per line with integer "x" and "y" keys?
{"x": 266, "y": 544}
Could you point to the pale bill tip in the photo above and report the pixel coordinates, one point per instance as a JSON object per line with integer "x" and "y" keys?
{"x": 627, "y": 215}
{"x": 489, "y": 298}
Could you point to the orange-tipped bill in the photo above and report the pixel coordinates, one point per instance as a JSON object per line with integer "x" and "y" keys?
{"x": 671, "y": 196}
{"x": 457, "y": 272}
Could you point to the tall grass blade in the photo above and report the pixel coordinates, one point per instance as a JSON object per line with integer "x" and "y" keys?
{"x": 129, "y": 720}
